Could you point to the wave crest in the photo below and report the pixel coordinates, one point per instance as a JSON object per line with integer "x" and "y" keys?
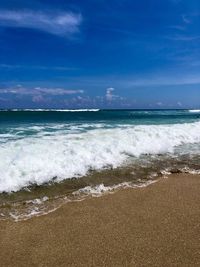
{"x": 36, "y": 160}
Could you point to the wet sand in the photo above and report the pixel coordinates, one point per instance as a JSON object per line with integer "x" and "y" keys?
{"x": 154, "y": 226}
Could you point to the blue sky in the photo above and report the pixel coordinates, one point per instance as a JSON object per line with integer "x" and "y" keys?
{"x": 96, "y": 53}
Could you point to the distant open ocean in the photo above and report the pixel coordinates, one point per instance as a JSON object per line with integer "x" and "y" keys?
{"x": 47, "y": 156}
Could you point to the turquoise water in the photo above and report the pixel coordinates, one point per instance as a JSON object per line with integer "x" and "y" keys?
{"x": 20, "y": 123}
{"x": 111, "y": 116}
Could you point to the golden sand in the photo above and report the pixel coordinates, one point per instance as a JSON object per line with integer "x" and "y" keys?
{"x": 154, "y": 226}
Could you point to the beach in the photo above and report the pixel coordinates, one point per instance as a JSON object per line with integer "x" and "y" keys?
{"x": 100, "y": 133}
{"x": 157, "y": 225}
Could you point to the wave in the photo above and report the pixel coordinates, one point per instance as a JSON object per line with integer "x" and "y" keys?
{"x": 39, "y": 159}
{"x": 77, "y": 110}
{"x": 56, "y": 110}
{"x": 194, "y": 110}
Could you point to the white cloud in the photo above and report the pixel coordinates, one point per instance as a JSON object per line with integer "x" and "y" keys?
{"x": 62, "y": 23}
{"x": 186, "y": 19}
{"x": 184, "y": 38}
{"x": 58, "y": 91}
{"x": 109, "y": 94}
{"x": 37, "y": 91}
{"x": 164, "y": 80}
{"x": 160, "y": 104}
{"x": 36, "y": 67}
{"x": 38, "y": 98}
{"x": 179, "y": 104}
{"x": 178, "y": 27}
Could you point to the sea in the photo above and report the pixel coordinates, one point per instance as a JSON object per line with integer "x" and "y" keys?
{"x": 50, "y": 157}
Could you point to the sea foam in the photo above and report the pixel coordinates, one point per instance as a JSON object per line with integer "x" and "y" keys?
{"x": 40, "y": 158}
{"x": 194, "y": 110}
{"x": 56, "y": 110}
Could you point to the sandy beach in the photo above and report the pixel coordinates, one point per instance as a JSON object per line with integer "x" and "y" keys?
{"x": 158, "y": 225}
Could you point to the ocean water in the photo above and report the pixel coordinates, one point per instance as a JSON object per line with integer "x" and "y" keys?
{"x": 55, "y": 154}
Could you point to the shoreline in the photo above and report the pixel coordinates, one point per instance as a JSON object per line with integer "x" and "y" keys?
{"x": 157, "y": 225}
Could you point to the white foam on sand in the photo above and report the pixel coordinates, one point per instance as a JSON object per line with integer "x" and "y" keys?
{"x": 101, "y": 189}
{"x": 38, "y": 159}
{"x": 37, "y": 208}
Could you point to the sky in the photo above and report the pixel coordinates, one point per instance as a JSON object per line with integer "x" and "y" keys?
{"x": 100, "y": 54}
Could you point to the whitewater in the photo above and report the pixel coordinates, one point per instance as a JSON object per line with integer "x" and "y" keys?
{"x": 35, "y": 150}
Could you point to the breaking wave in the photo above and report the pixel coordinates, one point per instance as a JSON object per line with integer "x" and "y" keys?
{"x": 62, "y": 155}
{"x": 194, "y": 110}
{"x": 58, "y": 110}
